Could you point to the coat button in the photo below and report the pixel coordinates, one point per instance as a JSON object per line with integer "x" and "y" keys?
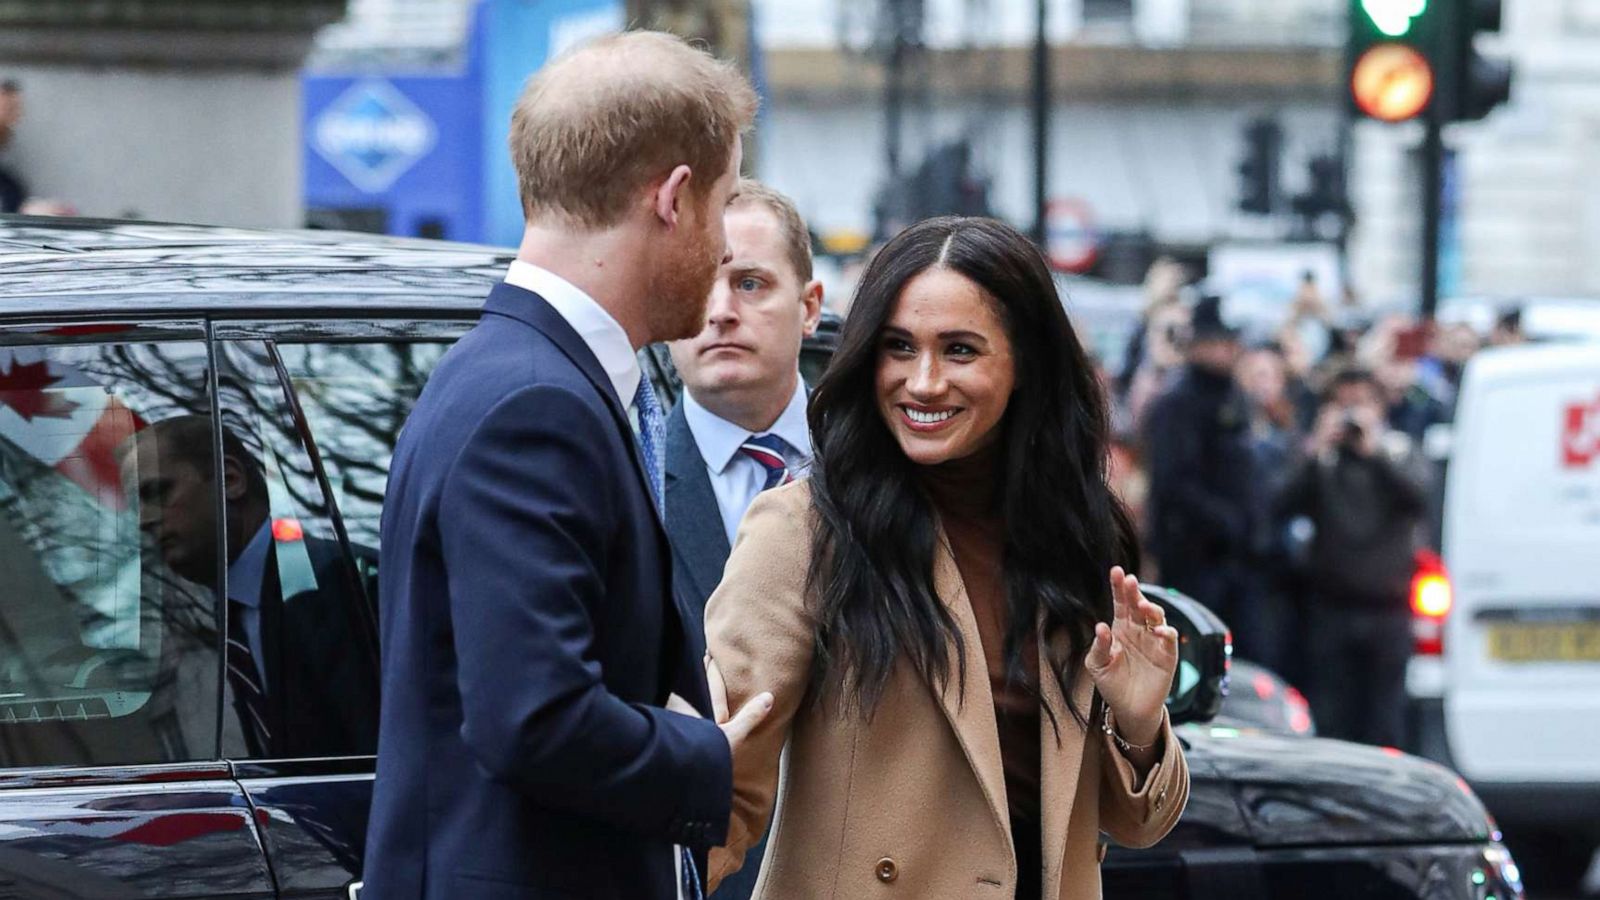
{"x": 887, "y": 870}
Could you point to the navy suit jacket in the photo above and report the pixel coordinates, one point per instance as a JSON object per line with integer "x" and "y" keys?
{"x": 529, "y": 639}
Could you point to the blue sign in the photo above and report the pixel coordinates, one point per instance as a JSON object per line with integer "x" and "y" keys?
{"x": 372, "y": 134}
{"x": 514, "y": 39}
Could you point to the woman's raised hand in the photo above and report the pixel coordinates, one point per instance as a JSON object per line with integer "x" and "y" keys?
{"x": 1132, "y": 660}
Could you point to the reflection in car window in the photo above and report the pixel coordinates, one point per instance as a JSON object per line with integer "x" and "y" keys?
{"x": 108, "y": 642}
{"x": 356, "y": 397}
{"x": 302, "y": 675}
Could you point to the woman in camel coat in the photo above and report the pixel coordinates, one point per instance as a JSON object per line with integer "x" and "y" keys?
{"x": 923, "y": 606}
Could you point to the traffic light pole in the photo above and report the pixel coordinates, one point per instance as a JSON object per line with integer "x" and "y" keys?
{"x": 1432, "y": 197}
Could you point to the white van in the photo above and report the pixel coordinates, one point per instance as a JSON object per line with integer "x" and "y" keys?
{"x": 1521, "y": 644}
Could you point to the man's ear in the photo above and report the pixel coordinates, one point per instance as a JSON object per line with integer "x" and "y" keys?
{"x": 234, "y": 481}
{"x": 811, "y": 299}
{"x": 672, "y": 195}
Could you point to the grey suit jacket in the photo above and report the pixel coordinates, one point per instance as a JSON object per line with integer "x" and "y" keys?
{"x": 699, "y": 544}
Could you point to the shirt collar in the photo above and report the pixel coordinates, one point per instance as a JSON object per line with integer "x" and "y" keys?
{"x": 247, "y": 572}
{"x": 719, "y": 440}
{"x": 599, "y": 330}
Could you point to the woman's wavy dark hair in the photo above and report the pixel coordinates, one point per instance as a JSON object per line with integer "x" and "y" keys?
{"x": 874, "y": 529}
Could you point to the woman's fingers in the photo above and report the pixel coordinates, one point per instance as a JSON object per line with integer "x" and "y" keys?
{"x": 1120, "y": 608}
{"x": 1152, "y": 614}
{"x": 1100, "y": 650}
{"x": 1130, "y": 590}
{"x": 1116, "y": 593}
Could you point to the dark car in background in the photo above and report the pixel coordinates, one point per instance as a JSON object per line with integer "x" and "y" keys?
{"x": 124, "y": 768}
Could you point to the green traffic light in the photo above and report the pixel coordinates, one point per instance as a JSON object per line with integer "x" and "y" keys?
{"x": 1393, "y": 17}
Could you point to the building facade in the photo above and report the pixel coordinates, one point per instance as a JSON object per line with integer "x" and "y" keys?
{"x": 183, "y": 110}
{"x": 1149, "y": 102}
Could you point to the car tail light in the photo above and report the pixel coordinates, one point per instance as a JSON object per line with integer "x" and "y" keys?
{"x": 1264, "y": 685}
{"x": 1431, "y": 599}
{"x": 287, "y": 531}
{"x": 1299, "y": 711}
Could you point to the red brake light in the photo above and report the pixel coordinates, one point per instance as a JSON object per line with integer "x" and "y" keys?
{"x": 1299, "y": 711}
{"x": 1431, "y": 596}
{"x": 1431, "y": 600}
{"x": 287, "y": 530}
{"x": 1264, "y": 686}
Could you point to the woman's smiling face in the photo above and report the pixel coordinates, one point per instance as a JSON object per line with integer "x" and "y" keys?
{"x": 945, "y": 371}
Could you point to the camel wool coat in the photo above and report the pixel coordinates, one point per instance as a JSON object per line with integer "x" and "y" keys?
{"x": 910, "y": 803}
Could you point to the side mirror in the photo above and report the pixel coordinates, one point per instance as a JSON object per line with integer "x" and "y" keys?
{"x": 1204, "y": 649}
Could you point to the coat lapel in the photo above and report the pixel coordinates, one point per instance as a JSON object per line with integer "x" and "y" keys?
{"x": 1060, "y": 761}
{"x": 530, "y": 308}
{"x": 974, "y": 723}
{"x": 971, "y": 712}
{"x": 698, "y": 537}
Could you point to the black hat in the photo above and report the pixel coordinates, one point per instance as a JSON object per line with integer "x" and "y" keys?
{"x": 1206, "y": 324}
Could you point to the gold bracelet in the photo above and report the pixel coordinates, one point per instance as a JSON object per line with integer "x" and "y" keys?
{"x": 1119, "y": 740}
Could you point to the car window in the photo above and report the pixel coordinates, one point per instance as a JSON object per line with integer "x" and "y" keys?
{"x": 302, "y": 677}
{"x": 356, "y": 397}
{"x": 108, "y": 636}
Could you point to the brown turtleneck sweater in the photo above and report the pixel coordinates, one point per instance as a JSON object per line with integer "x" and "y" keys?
{"x": 964, "y": 492}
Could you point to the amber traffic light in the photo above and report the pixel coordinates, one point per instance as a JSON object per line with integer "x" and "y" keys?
{"x": 1391, "y": 82}
{"x": 1391, "y": 60}
{"x": 1409, "y": 59}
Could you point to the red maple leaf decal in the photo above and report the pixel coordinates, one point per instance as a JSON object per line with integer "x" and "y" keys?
{"x": 23, "y": 388}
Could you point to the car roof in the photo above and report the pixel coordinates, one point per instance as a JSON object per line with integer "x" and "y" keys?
{"x": 76, "y": 268}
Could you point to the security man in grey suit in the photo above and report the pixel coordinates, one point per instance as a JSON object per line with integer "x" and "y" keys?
{"x": 741, "y": 425}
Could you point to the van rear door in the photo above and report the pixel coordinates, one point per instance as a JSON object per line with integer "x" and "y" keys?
{"x": 1522, "y": 540}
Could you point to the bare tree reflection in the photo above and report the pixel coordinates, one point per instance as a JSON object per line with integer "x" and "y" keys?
{"x": 356, "y": 398}
{"x": 107, "y": 652}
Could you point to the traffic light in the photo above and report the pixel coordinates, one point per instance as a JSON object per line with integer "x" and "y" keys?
{"x": 1476, "y": 84}
{"x": 1392, "y": 56}
{"x": 1258, "y": 173}
{"x": 1410, "y": 58}
{"x": 1325, "y": 190}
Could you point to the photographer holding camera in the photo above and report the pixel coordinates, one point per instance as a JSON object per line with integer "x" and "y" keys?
{"x": 1364, "y": 487}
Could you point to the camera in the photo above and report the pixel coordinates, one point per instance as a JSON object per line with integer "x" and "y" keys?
{"x": 1350, "y": 430}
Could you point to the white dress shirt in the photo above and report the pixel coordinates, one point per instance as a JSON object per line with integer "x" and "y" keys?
{"x": 609, "y": 343}
{"x": 245, "y": 577}
{"x": 602, "y": 333}
{"x": 736, "y": 479}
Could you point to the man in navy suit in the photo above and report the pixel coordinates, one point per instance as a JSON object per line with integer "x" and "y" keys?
{"x": 529, "y": 639}
{"x": 741, "y": 427}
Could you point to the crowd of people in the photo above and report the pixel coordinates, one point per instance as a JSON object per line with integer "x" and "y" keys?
{"x": 1279, "y": 475}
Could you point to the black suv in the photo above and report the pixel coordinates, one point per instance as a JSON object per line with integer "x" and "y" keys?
{"x": 189, "y": 416}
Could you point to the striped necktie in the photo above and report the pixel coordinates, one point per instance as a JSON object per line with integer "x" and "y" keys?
{"x": 767, "y": 451}
{"x": 244, "y": 676}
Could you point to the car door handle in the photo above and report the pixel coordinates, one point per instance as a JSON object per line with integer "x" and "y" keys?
{"x": 355, "y": 890}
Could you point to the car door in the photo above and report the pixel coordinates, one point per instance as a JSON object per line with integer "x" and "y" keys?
{"x": 334, "y": 396}
{"x": 111, "y": 783}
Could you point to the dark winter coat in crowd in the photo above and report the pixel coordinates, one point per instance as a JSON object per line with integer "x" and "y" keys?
{"x": 1204, "y": 522}
{"x": 1367, "y": 512}
{"x": 1416, "y": 411}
